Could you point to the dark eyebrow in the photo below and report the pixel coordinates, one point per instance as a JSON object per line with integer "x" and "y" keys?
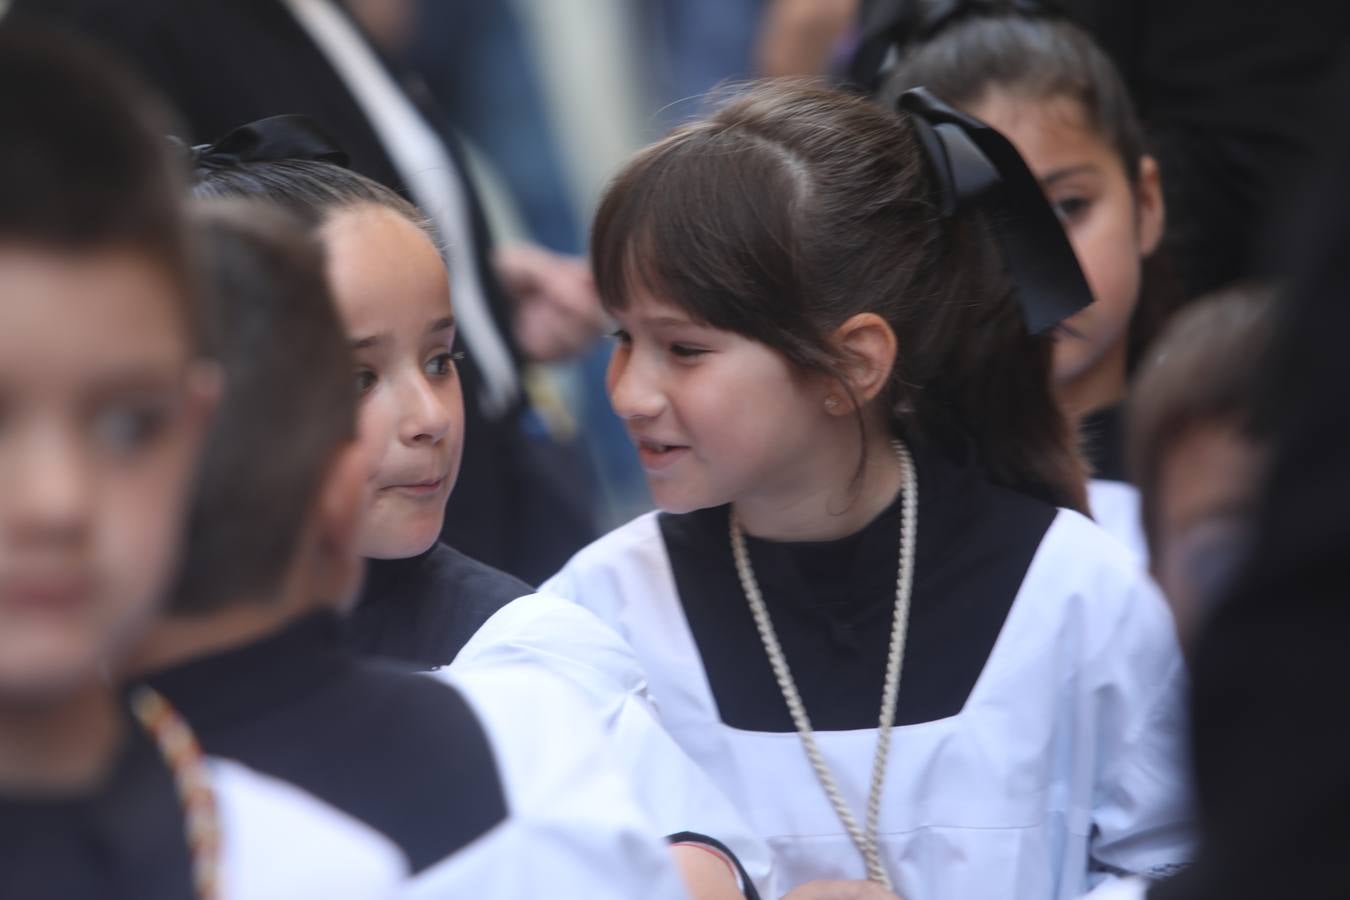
{"x": 669, "y": 322}
{"x": 444, "y": 324}
{"x": 367, "y": 342}
{"x": 1061, "y": 174}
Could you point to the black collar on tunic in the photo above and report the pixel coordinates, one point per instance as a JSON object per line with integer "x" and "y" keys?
{"x": 1103, "y": 435}
{"x": 832, "y": 603}
{"x": 423, "y": 610}
{"x": 402, "y": 752}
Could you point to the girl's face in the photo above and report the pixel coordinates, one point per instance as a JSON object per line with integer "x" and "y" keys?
{"x": 102, "y": 413}
{"x": 717, "y": 418}
{"x": 1111, "y": 222}
{"x": 393, "y": 293}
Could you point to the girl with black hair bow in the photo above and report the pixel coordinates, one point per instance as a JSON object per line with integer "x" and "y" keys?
{"x": 871, "y": 607}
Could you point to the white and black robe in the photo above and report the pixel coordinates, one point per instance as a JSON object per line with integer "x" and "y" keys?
{"x": 412, "y": 759}
{"x": 125, "y": 838}
{"x": 1039, "y": 743}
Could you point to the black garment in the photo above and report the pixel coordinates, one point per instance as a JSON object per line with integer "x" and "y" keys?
{"x": 124, "y": 841}
{"x": 1271, "y": 674}
{"x": 424, "y": 610}
{"x": 399, "y": 751}
{"x": 1103, "y": 436}
{"x": 1231, "y": 94}
{"x": 832, "y": 603}
{"x": 223, "y": 63}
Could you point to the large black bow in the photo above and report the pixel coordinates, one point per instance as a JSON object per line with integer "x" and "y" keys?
{"x": 273, "y": 139}
{"x": 891, "y": 25}
{"x": 975, "y": 165}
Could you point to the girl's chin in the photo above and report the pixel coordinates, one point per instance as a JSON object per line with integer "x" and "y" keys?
{"x": 409, "y": 543}
{"x": 678, "y": 505}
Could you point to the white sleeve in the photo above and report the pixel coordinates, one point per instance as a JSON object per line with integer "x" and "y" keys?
{"x": 1142, "y": 802}
{"x": 574, "y": 827}
{"x": 1121, "y": 889}
{"x": 281, "y": 843}
{"x": 571, "y": 643}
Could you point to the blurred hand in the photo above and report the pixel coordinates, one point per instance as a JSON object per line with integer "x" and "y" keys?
{"x": 798, "y": 37}
{"x": 840, "y": 890}
{"x": 557, "y": 313}
{"x": 391, "y": 23}
{"x": 706, "y": 877}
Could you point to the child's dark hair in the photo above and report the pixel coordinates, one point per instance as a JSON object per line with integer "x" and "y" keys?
{"x": 289, "y": 402}
{"x": 793, "y": 208}
{"x": 1039, "y": 57}
{"x": 1206, "y": 369}
{"x": 1027, "y": 56}
{"x": 310, "y": 190}
{"x": 85, "y": 164}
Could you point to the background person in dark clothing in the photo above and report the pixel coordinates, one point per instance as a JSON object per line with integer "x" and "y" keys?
{"x": 1271, "y": 676}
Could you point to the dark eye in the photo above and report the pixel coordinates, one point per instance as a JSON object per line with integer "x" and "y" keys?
{"x": 126, "y": 429}
{"x": 684, "y": 351}
{"x": 1071, "y": 209}
{"x": 365, "y": 380}
{"x": 621, "y": 337}
{"x": 442, "y": 364}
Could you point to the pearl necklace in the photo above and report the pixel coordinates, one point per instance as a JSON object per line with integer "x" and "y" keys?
{"x": 865, "y": 839}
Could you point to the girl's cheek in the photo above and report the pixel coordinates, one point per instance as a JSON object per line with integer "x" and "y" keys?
{"x": 374, "y": 429}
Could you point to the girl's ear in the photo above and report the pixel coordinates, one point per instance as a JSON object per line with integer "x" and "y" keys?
{"x": 341, "y": 504}
{"x": 867, "y": 346}
{"x": 1149, "y": 202}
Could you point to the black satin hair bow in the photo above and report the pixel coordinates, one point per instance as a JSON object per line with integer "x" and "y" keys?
{"x": 976, "y": 166}
{"x": 272, "y": 139}
{"x": 891, "y": 25}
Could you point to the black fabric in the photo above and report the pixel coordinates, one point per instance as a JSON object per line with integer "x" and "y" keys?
{"x": 832, "y": 604}
{"x": 423, "y": 610}
{"x": 399, "y": 751}
{"x": 123, "y": 841}
{"x": 1270, "y": 673}
{"x": 1232, "y": 97}
{"x": 224, "y": 63}
{"x": 274, "y": 139}
{"x": 1103, "y": 436}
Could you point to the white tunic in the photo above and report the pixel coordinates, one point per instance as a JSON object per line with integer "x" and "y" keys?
{"x": 1065, "y": 763}
{"x": 574, "y": 828}
{"x": 565, "y": 643}
{"x": 1115, "y": 506}
{"x": 280, "y": 843}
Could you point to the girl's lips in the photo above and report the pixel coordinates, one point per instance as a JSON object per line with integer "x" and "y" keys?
{"x": 656, "y": 457}
{"x": 57, "y": 594}
{"x": 418, "y": 489}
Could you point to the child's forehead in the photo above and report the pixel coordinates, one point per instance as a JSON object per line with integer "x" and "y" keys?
{"x": 88, "y": 315}
{"x": 1045, "y": 129}
{"x": 649, "y": 307}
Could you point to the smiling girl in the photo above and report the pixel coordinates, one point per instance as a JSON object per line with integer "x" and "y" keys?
{"x": 868, "y": 607}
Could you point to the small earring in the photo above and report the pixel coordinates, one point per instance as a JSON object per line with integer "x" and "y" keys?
{"x": 831, "y": 403}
